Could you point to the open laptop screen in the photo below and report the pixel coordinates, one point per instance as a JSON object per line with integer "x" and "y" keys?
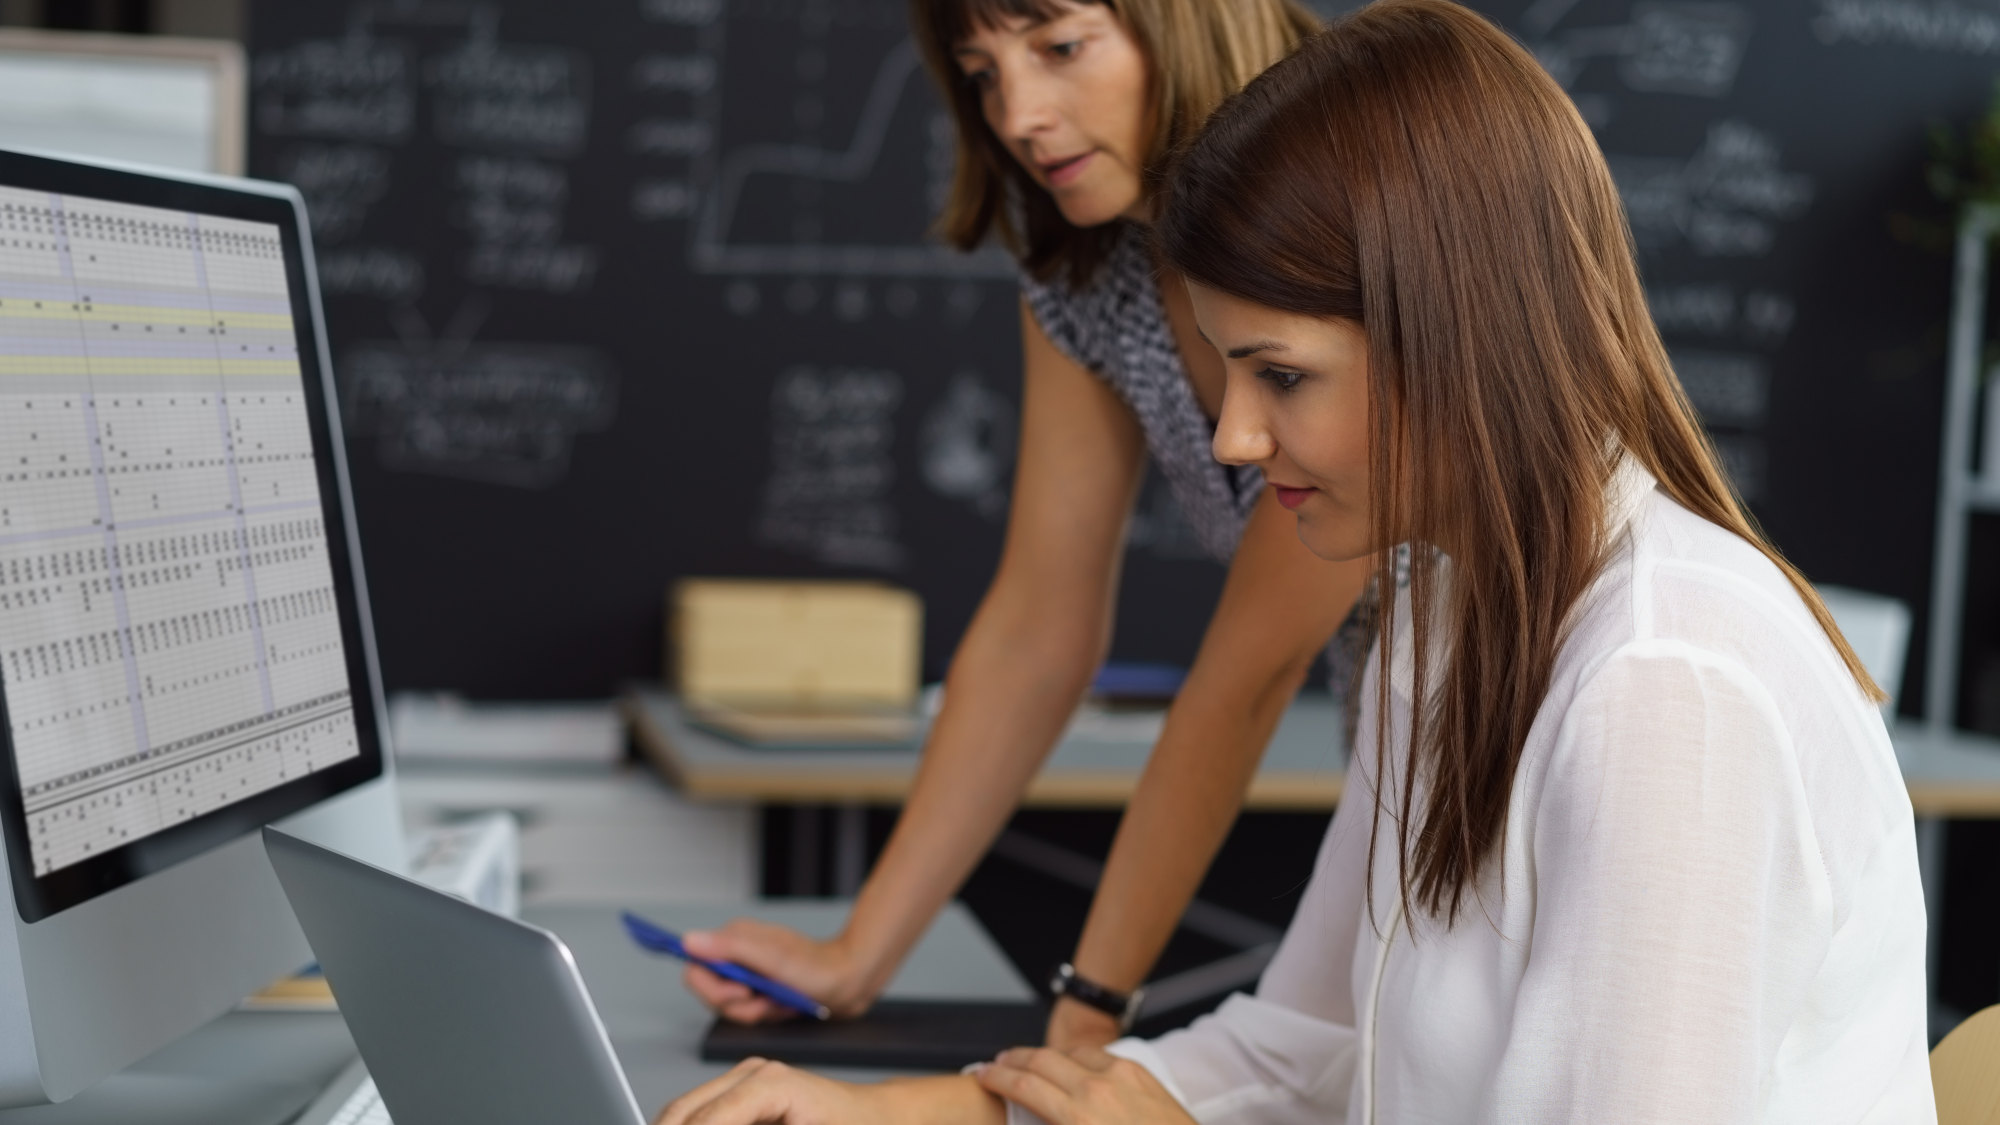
{"x": 178, "y": 642}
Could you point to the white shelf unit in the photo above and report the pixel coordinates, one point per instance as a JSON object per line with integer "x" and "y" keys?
{"x": 1961, "y": 491}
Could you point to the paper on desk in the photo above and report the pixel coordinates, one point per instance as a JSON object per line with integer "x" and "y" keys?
{"x": 435, "y": 727}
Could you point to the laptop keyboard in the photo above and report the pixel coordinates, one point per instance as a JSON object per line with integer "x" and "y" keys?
{"x": 363, "y": 1107}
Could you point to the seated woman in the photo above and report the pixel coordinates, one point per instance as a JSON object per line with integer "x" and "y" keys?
{"x": 1625, "y": 838}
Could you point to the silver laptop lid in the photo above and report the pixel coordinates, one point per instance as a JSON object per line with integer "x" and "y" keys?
{"x": 461, "y": 1015}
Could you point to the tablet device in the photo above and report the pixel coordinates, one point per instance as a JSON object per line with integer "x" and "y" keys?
{"x": 942, "y": 1035}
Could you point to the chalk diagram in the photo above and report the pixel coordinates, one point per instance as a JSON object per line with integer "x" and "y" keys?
{"x": 340, "y": 111}
{"x": 968, "y": 445}
{"x": 778, "y": 176}
{"x": 1725, "y": 201}
{"x": 497, "y": 413}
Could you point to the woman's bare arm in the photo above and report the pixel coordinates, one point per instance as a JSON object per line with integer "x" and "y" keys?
{"x": 1019, "y": 672}
{"x": 1279, "y": 606}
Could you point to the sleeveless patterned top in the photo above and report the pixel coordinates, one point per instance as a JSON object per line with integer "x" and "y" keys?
{"x": 1117, "y": 328}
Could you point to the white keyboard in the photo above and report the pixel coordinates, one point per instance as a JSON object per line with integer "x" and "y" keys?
{"x": 362, "y": 1107}
{"x": 349, "y": 1099}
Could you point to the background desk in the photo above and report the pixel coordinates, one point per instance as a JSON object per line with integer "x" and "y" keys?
{"x": 262, "y": 1068}
{"x": 1095, "y": 765}
{"x": 1098, "y": 762}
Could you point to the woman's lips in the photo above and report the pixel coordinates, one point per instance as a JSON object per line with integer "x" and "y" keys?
{"x": 1291, "y": 498}
{"x": 1066, "y": 173}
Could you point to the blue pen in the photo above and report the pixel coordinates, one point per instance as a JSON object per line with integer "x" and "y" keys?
{"x": 658, "y": 940}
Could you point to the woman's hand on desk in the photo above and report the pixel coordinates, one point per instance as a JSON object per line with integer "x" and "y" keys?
{"x": 827, "y": 971}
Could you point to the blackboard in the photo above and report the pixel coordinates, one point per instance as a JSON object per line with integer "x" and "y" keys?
{"x": 623, "y": 290}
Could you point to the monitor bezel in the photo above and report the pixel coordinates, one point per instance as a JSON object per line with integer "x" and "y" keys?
{"x": 39, "y": 897}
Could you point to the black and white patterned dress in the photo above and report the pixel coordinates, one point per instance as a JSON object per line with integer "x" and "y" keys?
{"x": 1117, "y": 328}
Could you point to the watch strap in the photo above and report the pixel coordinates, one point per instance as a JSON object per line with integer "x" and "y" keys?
{"x": 1121, "y": 1006}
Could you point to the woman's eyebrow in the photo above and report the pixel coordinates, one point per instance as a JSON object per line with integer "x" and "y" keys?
{"x": 1254, "y": 347}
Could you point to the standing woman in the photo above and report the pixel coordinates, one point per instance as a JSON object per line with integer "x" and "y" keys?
{"x": 1065, "y": 109}
{"x": 1625, "y": 839}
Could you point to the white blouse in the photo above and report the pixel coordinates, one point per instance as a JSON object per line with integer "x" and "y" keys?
{"x": 1704, "y": 906}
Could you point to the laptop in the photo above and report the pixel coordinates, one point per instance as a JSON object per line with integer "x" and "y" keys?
{"x": 461, "y": 1014}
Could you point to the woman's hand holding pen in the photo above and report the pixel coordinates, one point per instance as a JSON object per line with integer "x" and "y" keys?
{"x": 828, "y": 971}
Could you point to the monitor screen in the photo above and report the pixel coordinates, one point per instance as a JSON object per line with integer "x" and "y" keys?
{"x": 176, "y": 631}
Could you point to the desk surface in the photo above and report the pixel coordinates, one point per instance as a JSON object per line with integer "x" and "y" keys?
{"x": 1096, "y": 764}
{"x": 1953, "y": 774}
{"x": 262, "y": 1068}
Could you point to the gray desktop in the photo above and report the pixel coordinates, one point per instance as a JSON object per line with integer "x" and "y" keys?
{"x": 185, "y": 647}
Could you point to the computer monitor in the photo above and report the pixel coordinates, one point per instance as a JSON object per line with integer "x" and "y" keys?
{"x": 185, "y": 650}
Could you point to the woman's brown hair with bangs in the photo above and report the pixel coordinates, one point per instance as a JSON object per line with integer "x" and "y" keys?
{"x": 1201, "y": 51}
{"x": 1413, "y": 169}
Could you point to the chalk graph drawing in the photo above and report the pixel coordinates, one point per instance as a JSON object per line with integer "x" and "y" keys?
{"x": 825, "y": 201}
{"x": 1725, "y": 201}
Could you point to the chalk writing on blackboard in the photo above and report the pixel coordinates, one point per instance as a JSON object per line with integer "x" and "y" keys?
{"x": 340, "y": 183}
{"x": 496, "y": 413}
{"x": 968, "y": 445}
{"x": 1700, "y": 309}
{"x": 513, "y": 208}
{"x": 663, "y": 198}
{"x": 350, "y": 88}
{"x": 371, "y": 271}
{"x": 1728, "y": 388}
{"x": 511, "y": 98}
{"x": 688, "y": 74}
{"x": 827, "y": 494}
{"x": 1725, "y": 201}
{"x": 691, "y": 13}
{"x": 1712, "y": 309}
{"x": 1941, "y": 26}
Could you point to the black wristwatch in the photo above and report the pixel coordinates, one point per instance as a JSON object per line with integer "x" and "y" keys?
{"x": 1122, "y": 1006}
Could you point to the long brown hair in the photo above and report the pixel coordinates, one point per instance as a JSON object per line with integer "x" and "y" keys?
{"x": 1413, "y": 169}
{"x": 1200, "y": 51}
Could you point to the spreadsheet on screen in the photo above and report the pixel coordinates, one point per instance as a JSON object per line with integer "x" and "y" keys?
{"x": 170, "y": 642}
